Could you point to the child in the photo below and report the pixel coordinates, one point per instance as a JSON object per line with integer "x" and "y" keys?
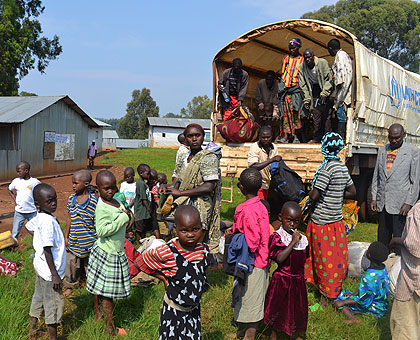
{"x": 49, "y": 262}
{"x": 251, "y": 219}
{"x": 80, "y": 233}
{"x": 143, "y": 205}
{"x": 181, "y": 264}
{"x": 23, "y": 185}
{"x": 372, "y": 297}
{"x": 161, "y": 179}
{"x": 128, "y": 187}
{"x": 288, "y": 285}
{"x": 108, "y": 274}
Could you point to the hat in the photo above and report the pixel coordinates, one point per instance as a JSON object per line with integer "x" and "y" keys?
{"x": 93, "y": 141}
{"x": 295, "y": 42}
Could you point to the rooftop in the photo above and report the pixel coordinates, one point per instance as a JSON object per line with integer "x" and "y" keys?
{"x": 178, "y": 122}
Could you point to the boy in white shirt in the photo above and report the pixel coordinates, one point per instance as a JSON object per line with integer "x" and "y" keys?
{"x": 128, "y": 187}
{"x": 23, "y": 185}
{"x": 49, "y": 262}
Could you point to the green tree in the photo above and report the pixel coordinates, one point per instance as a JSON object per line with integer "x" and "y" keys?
{"x": 27, "y": 94}
{"x": 198, "y": 108}
{"x": 172, "y": 115}
{"x": 134, "y": 124}
{"x": 22, "y": 46}
{"x": 111, "y": 121}
{"x": 390, "y": 28}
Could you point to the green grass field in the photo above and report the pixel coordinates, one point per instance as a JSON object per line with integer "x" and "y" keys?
{"x": 140, "y": 312}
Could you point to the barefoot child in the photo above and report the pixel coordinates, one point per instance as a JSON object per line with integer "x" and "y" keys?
{"x": 108, "y": 274}
{"x": 287, "y": 288}
{"x": 49, "y": 262}
{"x": 372, "y": 297}
{"x": 181, "y": 264}
{"x": 128, "y": 187}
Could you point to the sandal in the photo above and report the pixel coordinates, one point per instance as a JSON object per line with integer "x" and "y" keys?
{"x": 121, "y": 331}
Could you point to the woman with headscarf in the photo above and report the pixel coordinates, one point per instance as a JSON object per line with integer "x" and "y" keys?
{"x": 327, "y": 265}
{"x": 200, "y": 183}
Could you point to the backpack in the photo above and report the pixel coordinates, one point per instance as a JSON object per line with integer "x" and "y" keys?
{"x": 286, "y": 183}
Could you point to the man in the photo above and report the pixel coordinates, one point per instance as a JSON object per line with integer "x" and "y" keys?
{"x": 235, "y": 82}
{"x": 266, "y": 97}
{"x": 92, "y": 152}
{"x": 315, "y": 80}
{"x": 261, "y": 154}
{"x": 181, "y": 157}
{"x": 343, "y": 75}
{"x": 395, "y": 184}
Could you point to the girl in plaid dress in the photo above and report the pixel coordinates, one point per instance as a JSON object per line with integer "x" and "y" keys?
{"x": 108, "y": 275}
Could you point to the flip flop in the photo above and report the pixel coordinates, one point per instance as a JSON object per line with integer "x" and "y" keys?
{"x": 121, "y": 331}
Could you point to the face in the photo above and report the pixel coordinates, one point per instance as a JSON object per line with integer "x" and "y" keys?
{"x": 129, "y": 176}
{"x": 153, "y": 178}
{"x": 47, "y": 202}
{"x": 107, "y": 187}
{"x": 269, "y": 81}
{"x": 290, "y": 220}
{"x": 309, "y": 59}
{"x": 162, "y": 179}
{"x": 294, "y": 50}
{"x": 265, "y": 137}
{"x": 79, "y": 186}
{"x": 395, "y": 137}
{"x": 331, "y": 52}
{"x": 236, "y": 67}
{"x": 21, "y": 171}
{"x": 194, "y": 138}
{"x": 189, "y": 230}
{"x": 145, "y": 174}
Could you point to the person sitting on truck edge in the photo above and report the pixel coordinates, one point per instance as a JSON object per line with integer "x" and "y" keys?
{"x": 235, "y": 81}
{"x": 395, "y": 184}
{"x": 181, "y": 157}
{"x": 343, "y": 75}
{"x": 290, "y": 94}
{"x": 267, "y": 99}
{"x": 315, "y": 81}
{"x": 261, "y": 154}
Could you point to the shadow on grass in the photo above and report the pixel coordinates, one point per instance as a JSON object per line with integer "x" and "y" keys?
{"x": 217, "y": 278}
{"x": 216, "y": 335}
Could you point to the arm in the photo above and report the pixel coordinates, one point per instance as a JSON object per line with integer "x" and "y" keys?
{"x": 314, "y": 194}
{"x": 258, "y": 95}
{"x": 67, "y": 233}
{"x": 375, "y": 181}
{"x": 262, "y": 165}
{"x": 106, "y": 227}
{"x": 283, "y": 255}
{"x": 328, "y": 81}
{"x": 56, "y": 280}
{"x": 244, "y": 87}
{"x": 350, "y": 192}
{"x": 203, "y": 189}
{"x": 146, "y": 204}
{"x": 413, "y": 193}
{"x": 12, "y": 195}
{"x": 304, "y": 87}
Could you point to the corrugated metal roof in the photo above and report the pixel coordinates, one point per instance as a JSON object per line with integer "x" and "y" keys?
{"x": 131, "y": 143}
{"x": 110, "y": 134}
{"x": 178, "y": 122}
{"x": 18, "y": 109}
{"x": 101, "y": 123}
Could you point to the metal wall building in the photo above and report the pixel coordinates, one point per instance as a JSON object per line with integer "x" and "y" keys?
{"x": 51, "y": 133}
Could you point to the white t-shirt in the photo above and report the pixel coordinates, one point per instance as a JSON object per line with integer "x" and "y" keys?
{"x": 24, "y": 194}
{"x": 129, "y": 190}
{"x": 47, "y": 233}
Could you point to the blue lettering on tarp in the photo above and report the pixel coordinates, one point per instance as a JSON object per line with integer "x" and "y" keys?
{"x": 399, "y": 93}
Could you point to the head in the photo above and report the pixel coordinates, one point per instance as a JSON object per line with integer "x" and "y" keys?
{"x": 153, "y": 177}
{"x": 144, "y": 171}
{"x": 181, "y": 139}
{"x": 250, "y": 181}
{"x": 22, "y": 169}
{"x": 129, "y": 175}
{"x": 266, "y": 135}
{"x": 333, "y": 47}
{"x": 237, "y": 65}
{"x": 80, "y": 181}
{"x": 290, "y": 216}
{"x": 377, "y": 252}
{"x": 162, "y": 179}
{"x": 45, "y": 198}
{"x": 217, "y": 149}
{"x": 308, "y": 56}
{"x": 331, "y": 144}
{"x": 294, "y": 45}
{"x": 93, "y": 142}
{"x": 107, "y": 184}
{"x": 194, "y": 135}
{"x": 396, "y": 136}
{"x": 270, "y": 76}
{"x": 188, "y": 226}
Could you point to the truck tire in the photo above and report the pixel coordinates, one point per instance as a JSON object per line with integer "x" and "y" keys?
{"x": 372, "y": 216}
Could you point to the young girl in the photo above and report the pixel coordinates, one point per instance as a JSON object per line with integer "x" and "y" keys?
{"x": 108, "y": 275}
{"x": 181, "y": 264}
{"x": 287, "y": 287}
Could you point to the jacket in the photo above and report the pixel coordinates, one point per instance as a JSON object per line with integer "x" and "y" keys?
{"x": 243, "y": 86}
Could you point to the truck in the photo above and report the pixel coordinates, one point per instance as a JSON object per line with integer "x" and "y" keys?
{"x": 383, "y": 93}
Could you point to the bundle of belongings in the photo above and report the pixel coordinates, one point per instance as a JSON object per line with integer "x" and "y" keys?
{"x": 241, "y": 128}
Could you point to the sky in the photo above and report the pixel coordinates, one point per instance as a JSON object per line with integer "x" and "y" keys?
{"x": 111, "y": 48}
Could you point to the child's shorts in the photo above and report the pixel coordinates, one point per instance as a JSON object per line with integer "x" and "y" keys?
{"x": 146, "y": 225}
{"x": 47, "y": 300}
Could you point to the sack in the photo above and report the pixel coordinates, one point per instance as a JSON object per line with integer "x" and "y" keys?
{"x": 241, "y": 128}
{"x": 286, "y": 182}
{"x": 7, "y": 240}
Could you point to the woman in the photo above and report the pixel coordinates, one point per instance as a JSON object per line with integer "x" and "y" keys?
{"x": 200, "y": 184}
{"x": 327, "y": 265}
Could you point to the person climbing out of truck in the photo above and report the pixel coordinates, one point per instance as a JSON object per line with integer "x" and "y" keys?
{"x": 261, "y": 154}
{"x": 290, "y": 94}
{"x": 267, "y": 99}
{"x": 343, "y": 75}
{"x": 316, "y": 83}
{"x": 234, "y": 83}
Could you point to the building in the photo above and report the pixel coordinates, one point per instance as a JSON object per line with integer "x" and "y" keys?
{"x": 131, "y": 143}
{"x": 109, "y": 140}
{"x": 163, "y": 132}
{"x": 95, "y": 133}
{"x": 51, "y": 133}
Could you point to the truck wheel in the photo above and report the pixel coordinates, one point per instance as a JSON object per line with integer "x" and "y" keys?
{"x": 371, "y": 215}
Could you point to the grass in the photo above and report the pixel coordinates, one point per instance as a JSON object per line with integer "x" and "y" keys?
{"x": 140, "y": 312}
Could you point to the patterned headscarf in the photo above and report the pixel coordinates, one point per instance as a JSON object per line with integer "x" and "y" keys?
{"x": 217, "y": 149}
{"x": 296, "y": 42}
{"x": 331, "y": 144}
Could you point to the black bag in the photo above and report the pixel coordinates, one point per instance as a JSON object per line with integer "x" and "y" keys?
{"x": 286, "y": 183}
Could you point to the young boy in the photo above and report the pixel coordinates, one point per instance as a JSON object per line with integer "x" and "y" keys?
{"x": 142, "y": 205}
{"x": 80, "y": 233}
{"x": 128, "y": 187}
{"x": 251, "y": 219}
{"x": 23, "y": 185}
{"x": 49, "y": 262}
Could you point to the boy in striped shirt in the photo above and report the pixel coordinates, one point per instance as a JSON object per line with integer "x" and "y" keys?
{"x": 80, "y": 233}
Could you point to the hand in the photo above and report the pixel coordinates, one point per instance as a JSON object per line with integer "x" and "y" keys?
{"x": 323, "y": 99}
{"x": 56, "y": 282}
{"x": 296, "y": 237}
{"x": 276, "y": 158}
{"x": 405, "y": 209}
{"x": 66, "y": 242}
{"x": 228, "y": 231}
{"x": 307, "y": 107}
{"x": 333, "y": 95}
{"x": 173, "y": 191}
{"x": 339, "y": 304}
{"x": 395, "y": 243}
{"x": 261, "y": 106}
{"x": 373, "y": 205}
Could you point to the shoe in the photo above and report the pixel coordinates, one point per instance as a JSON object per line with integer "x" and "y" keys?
{"x": 282, "y": 140}
{"x": 167, "y": 206}
{"x": 296, "y": 140}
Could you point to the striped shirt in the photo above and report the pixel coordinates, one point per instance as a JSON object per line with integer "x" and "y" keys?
{"x": 409, "y": 279}
{"x": 290, "y": 70}
{"x": 82, "y": 226}
{"x": 332, "y": 181}
{"x": 162, "y": 258}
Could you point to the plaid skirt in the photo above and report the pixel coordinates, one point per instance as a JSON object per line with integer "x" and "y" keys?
{"x": 108, "y": 274}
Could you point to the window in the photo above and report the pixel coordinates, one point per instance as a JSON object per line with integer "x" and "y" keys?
{"x": 163, "y": 134}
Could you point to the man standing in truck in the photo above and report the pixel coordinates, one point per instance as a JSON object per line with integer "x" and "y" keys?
{"x": 267, "y": 99}
{"x": 395, "y": 184}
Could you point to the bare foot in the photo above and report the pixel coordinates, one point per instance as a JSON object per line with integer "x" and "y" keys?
{"x": 37, "y": 334}
{"x": 350, "y": 321}
{"x": 323, "y": 302}
{"x": 231, "y": 335}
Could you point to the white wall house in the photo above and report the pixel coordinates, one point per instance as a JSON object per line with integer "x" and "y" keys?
{"x": 109, "y": 140}
{"x": 96, "y": 133}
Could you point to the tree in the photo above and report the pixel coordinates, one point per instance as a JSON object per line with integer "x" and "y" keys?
{"x": 198, "y": 108}
{"x": 171, "y": 115}
{"x": 111, "y": 121}
{"x": 390, "y": 28}
{"x": 134, "y": 124}
{"x": 27, "y": 94}
{"x": 22, "y": 47}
